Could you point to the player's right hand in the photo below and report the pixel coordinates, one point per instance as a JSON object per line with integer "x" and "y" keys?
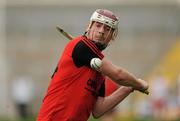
{"x": 143, "y": 86}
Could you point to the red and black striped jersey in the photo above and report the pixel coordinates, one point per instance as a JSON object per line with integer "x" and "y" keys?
{"x": 74, "y": 86}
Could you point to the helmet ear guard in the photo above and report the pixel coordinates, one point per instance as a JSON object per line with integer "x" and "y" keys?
{"x": 115, "y": 33}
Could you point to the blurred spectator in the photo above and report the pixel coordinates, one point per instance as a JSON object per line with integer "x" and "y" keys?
{"x": 159, "y": 97}
{"x": 178, "y": 93}
{"x": 22, "y": 94}
{"x": 143, "y": 109}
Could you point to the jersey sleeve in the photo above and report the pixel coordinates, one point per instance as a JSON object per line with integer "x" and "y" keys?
{"x": 82, "y": 54}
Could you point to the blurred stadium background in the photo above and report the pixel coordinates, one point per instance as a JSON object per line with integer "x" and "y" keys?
{"x": 148, "y": 45}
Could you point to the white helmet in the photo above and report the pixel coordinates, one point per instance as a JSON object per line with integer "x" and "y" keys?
{"x": 106, "y": 17}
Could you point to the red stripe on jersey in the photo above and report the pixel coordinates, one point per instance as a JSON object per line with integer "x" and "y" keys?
{"x": 93, "y": 47}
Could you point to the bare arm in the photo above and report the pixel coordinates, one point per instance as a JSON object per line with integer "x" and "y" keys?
{"x": 122, "y": 77}
{"x": 104, "y": 104}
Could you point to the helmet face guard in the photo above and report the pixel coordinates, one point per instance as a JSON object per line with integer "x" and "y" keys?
{"x": 105, "y": 17}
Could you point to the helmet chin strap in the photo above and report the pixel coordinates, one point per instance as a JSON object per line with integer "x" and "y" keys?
{"x": 101, "y": 46}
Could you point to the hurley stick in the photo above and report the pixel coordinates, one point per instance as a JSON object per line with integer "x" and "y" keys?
{"x": 70, "y": 37}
